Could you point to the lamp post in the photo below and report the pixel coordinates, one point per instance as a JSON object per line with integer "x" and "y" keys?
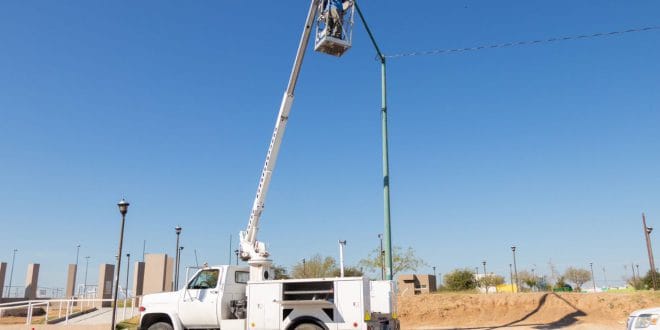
{"x": 381, "y": 255}
{"x": 593, "y": 279}
{"x": 178, "y": 266}
{"x": 123, "y": 209}
{"x": 436, "y": 279}
{"x": 385, "y": 148}
{"x": 128, "y": 270}
{"x": 11, "y": 273}
{"x": 75, "y": 277}
{"x": 304, "y": 268}
{"x": 177, "y": 230}
{"x": 511, "y": 277}
{"x": 342, "y": 244}
{"x": 85, "y": 284}
{"x": 649, "y": 250}
{"x": 237, "y": 252}
{"x": 485, "y": 275}
{"x": 515, "y": 267}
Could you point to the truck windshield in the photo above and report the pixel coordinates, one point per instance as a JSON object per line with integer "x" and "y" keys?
{"x": 206, "y": 279}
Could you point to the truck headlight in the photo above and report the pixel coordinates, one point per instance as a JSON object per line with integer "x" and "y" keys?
{"x": 646, "y": 320}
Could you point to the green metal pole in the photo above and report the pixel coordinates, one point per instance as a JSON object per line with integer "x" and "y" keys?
{"x": 386, "y": 174}
{"x": 386, "y": 162}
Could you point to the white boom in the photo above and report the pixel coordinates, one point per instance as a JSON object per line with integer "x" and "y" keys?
{"x": 252, "y": 250}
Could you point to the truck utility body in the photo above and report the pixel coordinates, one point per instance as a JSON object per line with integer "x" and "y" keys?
{"x": 247, "y": 297}
{"x": 223, "y": 298}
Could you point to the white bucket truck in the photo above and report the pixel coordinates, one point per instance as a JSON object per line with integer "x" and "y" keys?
{"x": 247, "y": 297}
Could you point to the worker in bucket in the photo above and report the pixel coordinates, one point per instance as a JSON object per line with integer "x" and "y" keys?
{"x": 334, "y": 10}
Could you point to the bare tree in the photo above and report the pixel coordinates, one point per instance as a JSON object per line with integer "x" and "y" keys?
{"x": 528, "y": 278}
{"x": 578, "y": 276}
{"x": 315, "y": 267}
{"x": 401, "y": 260}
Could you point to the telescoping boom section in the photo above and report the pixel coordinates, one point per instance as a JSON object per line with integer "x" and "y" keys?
{"x": 252, "y": 250}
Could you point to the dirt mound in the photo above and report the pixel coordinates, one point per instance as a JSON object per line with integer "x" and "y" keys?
{"x": 543, "y": 310}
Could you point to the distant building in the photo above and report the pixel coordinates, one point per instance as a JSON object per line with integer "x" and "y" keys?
{"x": 412, "y": 284}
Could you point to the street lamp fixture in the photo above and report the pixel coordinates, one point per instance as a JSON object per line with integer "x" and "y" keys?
{"x": 123, "y": 209}
{"x": 237, "y": 252}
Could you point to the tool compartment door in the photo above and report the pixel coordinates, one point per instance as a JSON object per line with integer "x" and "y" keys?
{"x": 264, "y": 310}
{"x": 350, "y": 303}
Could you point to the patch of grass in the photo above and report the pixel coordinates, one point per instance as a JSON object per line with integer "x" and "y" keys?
{"x": 130, "y": 324}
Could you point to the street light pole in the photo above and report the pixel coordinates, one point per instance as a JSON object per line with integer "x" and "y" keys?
{"x": 128, "y": 270}
{"x": 178, "y": 266}
{"x": 485, "y": 275}
{"x": 75, "y": 277}
{"x": 381, "y": 256}
{"x": 123, "y": 209}
{"x": 385, "y": 148}
{"x": 436, "y": 279}
{"x": 511, "y": 277}
{"x": 85, "y": 285}
{"x": 11, "y": 273}
{"x": 515, "y": 267}
{"x": 304, "y": 268}
{"x": 593, "y": 279}
{"x": 649, "y": 250}
{"x": 341, "y": 257}
{"x": 237, "y": 252}
{"x": 177, "y": 230}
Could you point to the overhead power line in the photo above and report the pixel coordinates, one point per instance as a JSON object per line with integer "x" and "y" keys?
{"x": 521, "y": 43}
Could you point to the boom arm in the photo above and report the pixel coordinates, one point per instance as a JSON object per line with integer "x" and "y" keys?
{"x": 251, "y": 249}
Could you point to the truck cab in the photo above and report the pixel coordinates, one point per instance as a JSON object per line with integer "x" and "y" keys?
{"x": 213, "y": 294}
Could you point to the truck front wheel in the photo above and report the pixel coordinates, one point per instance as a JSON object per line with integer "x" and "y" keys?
{"x": 307, "y": 326}
{"x": 160, "y": 326}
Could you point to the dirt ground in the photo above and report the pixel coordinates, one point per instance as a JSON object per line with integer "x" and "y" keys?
{"x": 542, "y": 310}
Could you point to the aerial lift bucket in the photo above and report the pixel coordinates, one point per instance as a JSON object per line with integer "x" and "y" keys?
{"x": 334, "y": 36}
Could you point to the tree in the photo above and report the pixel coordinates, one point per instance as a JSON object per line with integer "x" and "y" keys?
{"x": 279, "y": 272}
{"x": 526, "y": 277}
{"x": 578, "y": 276}
{"x": 315, "y": 267}
{"x": 401, "y": 260}
{"x": 348, "y": 271}
{"x": 491, "y": 280}
{"x": 648, "y": 279}
{"x": 459, "y": 280}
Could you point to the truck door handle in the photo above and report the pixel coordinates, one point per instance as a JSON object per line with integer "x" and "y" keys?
{"x": 213, "y": 291}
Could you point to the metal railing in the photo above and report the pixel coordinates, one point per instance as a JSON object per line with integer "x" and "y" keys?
{"x": 69, "y": 308}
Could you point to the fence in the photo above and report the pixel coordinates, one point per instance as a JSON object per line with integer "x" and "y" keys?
{"x": 69, "y": 308}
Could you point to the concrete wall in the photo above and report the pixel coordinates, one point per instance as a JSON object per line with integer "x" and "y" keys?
{"x": 138, "y": 278}
{"x": 31, "y": 281}
{"x": 3, "y": 272}
{"x": 158, "y": 271}
{"x": 71, "y": 281}
{"x": 104, "y": 289}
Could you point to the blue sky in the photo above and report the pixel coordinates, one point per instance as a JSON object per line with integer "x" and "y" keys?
{"x": 551, "y": 147}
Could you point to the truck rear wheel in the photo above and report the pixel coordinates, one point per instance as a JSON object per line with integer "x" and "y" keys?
{"x": 160, "y": 326}
{"x": 307, "y": 326}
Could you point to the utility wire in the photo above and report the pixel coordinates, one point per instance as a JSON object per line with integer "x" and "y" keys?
{"x": 520, "y": 43}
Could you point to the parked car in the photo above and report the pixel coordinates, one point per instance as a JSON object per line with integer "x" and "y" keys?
{"x": 648, "y": 319}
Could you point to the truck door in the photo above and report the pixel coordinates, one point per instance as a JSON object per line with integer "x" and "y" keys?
{"x": 198, "y": 306}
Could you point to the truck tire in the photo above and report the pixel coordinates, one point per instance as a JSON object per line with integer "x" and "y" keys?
{"x": 160, "y": 326}
{"x": 307, "y": 326}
